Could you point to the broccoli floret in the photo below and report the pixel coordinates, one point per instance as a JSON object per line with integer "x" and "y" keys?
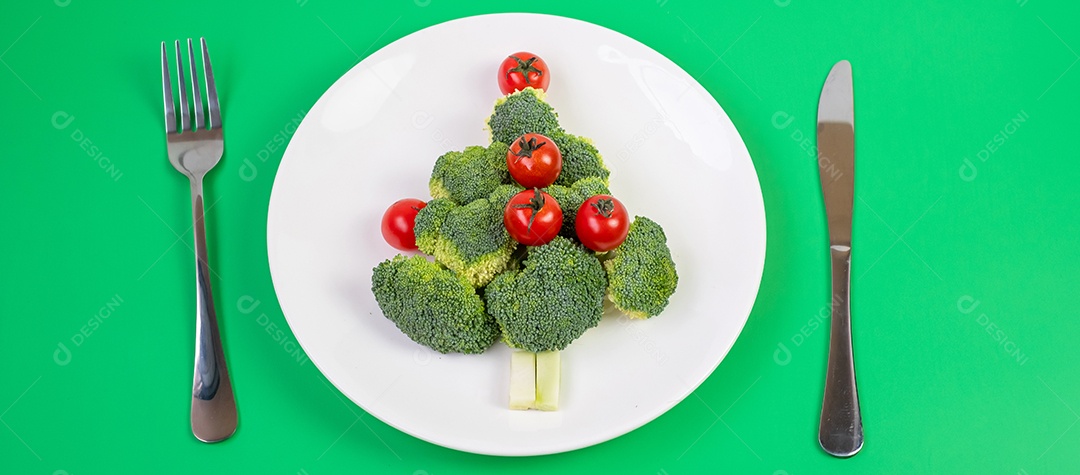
{"x": 580, "y": 159}
{"x": 432, "y": 305}
{"x": 565, "y": 196}
{"x": 471, "y": 240}
{"x": 429, "y": 221}
{"x": 571, "y": 198}
{"x": 641, "y": 274}
{"x": 502, "y": 195}
{"x": 520, "y": 113}
{"x": 552, "y": 301}
{"x": 471, "y": 174}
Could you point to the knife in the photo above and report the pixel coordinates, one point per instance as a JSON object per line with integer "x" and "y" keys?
{"x": 841, "y": 430}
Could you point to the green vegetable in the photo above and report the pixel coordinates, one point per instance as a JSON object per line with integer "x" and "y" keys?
{"x": 580, "y": 159}
{"x": 534, "y": 380}
{"x": 501, "y": 196}
{"x": 521, "y": 113}
{"x": 522, "y": 380}
{"x": 428, "y": 223}
{"x": 556, "y": 297}
{"x": 547, "y": 380}
{"x": 432, "y": 305}
{"x": 471, "y": 174}
{"x": 471, "y": 240}
{"x": 641, "y": 274}
{"x": 571, "y": 198}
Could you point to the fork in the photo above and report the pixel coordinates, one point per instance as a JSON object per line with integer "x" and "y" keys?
{"x": 194, "y": 148}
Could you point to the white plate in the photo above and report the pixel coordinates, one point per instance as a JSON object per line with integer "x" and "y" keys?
{"x": 372, "y": 138}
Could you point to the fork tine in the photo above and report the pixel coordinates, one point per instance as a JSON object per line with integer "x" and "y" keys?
{"x": 170, "y": 114}
{"x": 195, "y": 96}
{"x": 185, "y": 111}
{"x": 211, "y": 90}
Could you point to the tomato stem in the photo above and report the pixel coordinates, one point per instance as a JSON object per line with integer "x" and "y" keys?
{"x": 526, "y": 148}
{"x": 524, "y": 67}
{"x": 604, "y": 207}
{"x": 536, "y": 203}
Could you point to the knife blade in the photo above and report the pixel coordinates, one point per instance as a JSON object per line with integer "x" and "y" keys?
{"x": 841, "y": 430}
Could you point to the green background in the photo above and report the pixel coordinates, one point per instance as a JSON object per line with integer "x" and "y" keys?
{"x": 964, "y": 269}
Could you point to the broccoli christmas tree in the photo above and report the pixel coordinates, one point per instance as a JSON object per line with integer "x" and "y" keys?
{"x": 484, "y": 285}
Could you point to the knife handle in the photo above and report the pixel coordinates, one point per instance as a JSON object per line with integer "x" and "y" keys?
{"x": 841, "y": 430}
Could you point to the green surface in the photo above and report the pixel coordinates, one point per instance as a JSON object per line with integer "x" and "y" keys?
{"x": 965, "y": 263}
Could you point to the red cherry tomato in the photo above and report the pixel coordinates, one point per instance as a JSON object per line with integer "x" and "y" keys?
{"x": 602, "y": 223}
{"x": 534, "y": 161}
{"x": 397, "y": 223}
{"x": 521, "y": 70}
{"x": 533, "y": 217}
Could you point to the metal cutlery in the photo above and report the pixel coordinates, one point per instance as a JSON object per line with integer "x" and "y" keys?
{"x": 194, "y": 147}
{"x": 841, "y": 430}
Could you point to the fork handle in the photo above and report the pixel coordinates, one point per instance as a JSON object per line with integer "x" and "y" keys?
{"x": 213, "y": 408}
{"x": 841, "y": 430}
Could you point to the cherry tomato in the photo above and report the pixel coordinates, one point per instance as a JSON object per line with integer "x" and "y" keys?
{"x": 602, "y": 223}
{"x": 397, "y": 223}
{"x": 533, "y": 217}
{"x": 534, "y": 161}
{"x": 521, "y": 70}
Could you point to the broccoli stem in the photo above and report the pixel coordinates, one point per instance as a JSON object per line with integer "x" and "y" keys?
{"x": 522, "y": 380}
{"x": 547, "y": 380}
{"x": 534, "y": 380}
